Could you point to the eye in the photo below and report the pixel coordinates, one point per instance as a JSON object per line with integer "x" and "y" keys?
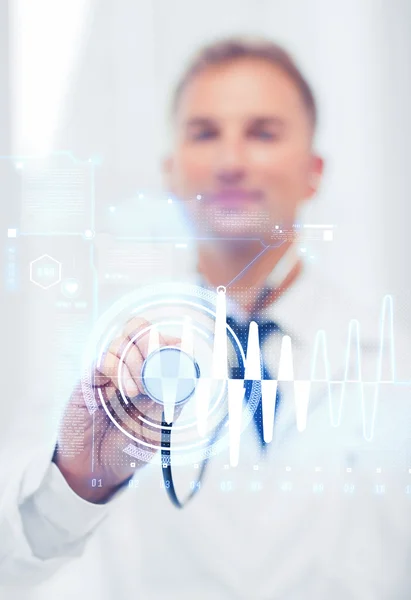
{"x": 263, "y": 134}
{"x": 205, "y": 134}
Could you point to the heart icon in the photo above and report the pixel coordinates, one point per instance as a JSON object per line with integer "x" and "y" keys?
{"x": 70, "y": 287}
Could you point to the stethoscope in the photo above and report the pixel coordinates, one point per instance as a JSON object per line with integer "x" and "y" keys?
{"x": 169, "y": 360}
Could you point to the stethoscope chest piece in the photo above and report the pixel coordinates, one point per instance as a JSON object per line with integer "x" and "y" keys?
{"x": 170, "y": 375}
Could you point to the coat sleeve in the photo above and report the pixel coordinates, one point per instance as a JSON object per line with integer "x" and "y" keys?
{"x": 44, "y": 529}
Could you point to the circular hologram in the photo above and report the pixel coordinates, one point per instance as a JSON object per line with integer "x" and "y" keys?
{"x": 180, "y": 374}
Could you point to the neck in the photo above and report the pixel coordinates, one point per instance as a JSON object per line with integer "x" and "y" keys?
{"x": 244, "y": 267}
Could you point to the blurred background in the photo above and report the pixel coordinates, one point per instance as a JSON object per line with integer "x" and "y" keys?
{"x": 93, "y": 78}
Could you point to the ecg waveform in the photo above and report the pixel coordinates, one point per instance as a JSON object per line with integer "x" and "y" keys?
{"x": 302, "y": 389}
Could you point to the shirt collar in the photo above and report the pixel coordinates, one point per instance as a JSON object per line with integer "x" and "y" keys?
{"x": 295, "y": 309}
{"x": 292, "y": 311}
{"x": 312, "y": 302}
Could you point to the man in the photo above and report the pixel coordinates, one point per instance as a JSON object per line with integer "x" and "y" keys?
{"x": 299, "y": 520}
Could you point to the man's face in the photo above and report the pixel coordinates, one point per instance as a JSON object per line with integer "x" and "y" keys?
{"x": 242, "y": 160}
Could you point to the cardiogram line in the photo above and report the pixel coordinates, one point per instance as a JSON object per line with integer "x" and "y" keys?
{"x": 354, "y": 338}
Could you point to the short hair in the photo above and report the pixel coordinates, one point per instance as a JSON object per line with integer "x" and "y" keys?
{"x": 229, "y": 50}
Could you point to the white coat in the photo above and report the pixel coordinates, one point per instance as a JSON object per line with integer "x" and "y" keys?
{"x": 326, "y": 514}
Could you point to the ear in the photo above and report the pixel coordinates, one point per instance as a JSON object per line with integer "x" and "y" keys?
{"x": 315, "y": 175}
{"x": 167, "y": 168}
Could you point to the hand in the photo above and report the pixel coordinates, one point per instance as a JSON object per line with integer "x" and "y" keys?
{"x": 111, "y": 469}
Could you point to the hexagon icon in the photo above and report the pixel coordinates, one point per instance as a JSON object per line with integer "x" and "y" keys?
{"x": 45, "y": 271}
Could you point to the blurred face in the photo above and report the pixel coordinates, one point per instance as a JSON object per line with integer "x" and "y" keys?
{"x": 242, "y": 159}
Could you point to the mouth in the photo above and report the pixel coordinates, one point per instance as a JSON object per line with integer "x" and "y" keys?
{"x": 234, "y": 197}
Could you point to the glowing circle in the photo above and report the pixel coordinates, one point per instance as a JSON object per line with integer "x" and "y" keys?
{"x": 166, "y": 308}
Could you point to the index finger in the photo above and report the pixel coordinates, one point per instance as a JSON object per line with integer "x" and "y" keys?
{"x": 137, "y": 325}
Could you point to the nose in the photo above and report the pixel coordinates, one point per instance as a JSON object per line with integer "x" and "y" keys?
{"x": 231, "y": 163}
